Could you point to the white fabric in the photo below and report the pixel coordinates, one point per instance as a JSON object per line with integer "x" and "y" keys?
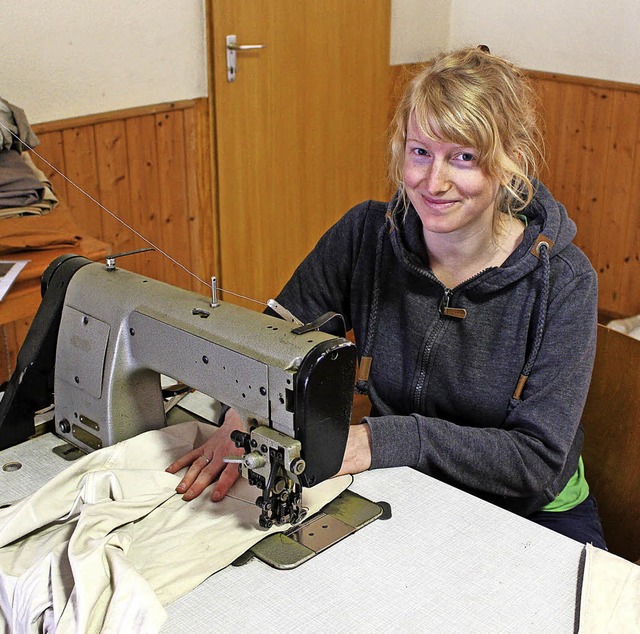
{"x": 610, "y": 600}
{"x": 629, "y": 326}
{"x": 106, "y": 543}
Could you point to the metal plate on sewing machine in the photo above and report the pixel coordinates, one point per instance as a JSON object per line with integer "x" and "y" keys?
{"x": 234, "y": 377}
{"x": 68, "y": 452}
{"x": 86, "y": 437}
{"x": 340, "y": 518}
{"x": 320, "y": 532}
{"x": 82, "y": 364}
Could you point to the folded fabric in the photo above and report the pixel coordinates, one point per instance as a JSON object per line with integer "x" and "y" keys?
{"x": 51, "y": 231}
{"x": 15, "y": 131}
{"x": 46, "y": 203}
{"x": 18, "y": 184}
{"x": 18, "y": 212}
{"x": 610, "y": 598}
{"x": 8, "y": 127}
{"x": 106, "y": 543}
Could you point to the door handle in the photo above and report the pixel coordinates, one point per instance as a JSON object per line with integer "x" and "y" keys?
{"x": 232, "y": 47}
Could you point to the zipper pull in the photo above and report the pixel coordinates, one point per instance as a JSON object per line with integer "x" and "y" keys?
{"x": 449, "y": 311}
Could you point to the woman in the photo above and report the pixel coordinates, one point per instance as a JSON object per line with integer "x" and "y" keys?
{"x": 466, "y": 293}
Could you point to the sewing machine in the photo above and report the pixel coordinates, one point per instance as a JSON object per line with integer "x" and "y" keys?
{"x": 118, "y": 332}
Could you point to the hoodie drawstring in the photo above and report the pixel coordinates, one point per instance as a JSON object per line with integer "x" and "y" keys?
{"x": 541, "y": 250}
{"x": 362, "y": 385}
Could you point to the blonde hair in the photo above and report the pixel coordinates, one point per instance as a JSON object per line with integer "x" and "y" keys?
{"x": 475, "y": 99}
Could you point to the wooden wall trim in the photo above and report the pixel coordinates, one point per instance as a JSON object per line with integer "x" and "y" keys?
{"x": 592, "y": 130}
{"x": 403, "y": 70}
{"x": 119, "y": 115}
{"x": 583, "y": 81}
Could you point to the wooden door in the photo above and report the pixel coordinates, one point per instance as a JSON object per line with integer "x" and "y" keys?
{"x": 300, "y": 135}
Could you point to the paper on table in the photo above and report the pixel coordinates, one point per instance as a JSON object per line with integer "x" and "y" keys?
{"x": 9, "y": 270}
{"x": 610, "y": 599}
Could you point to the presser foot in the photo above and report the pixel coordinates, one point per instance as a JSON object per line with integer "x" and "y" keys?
{"x": 272, "y": 462}
{"x": 280, "y": 504}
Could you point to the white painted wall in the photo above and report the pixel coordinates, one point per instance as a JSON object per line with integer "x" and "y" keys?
{"x": 70, "y": 58}
{"x": 66, "y": 58}
{"x": 589, "y": 38}
{"x": 419, "y": 29}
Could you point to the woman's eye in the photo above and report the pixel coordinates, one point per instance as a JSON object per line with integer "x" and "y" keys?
{"x": 467, "y": 157}
{"x": 420, "y": 151}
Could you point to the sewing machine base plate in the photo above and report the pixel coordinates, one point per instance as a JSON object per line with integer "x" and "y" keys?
{"x": 343, "y": 516}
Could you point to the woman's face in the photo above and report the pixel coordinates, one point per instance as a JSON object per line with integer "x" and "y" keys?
{"x": 448, "y": 189}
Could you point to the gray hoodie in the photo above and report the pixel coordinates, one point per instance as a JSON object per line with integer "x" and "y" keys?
{"x": 442, "y": 385}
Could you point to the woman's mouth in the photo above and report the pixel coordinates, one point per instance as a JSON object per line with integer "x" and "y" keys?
{"x": 438, "y": 203}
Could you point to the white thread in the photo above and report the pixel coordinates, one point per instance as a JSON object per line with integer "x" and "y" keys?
{"x": 113, "y": 215}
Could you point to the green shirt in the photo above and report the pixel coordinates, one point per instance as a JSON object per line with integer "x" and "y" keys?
{"x": 574, "y": 492}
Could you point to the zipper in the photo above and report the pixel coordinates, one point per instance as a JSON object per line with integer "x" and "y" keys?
{"x": 424, "y": 358}
{"x": 450, "y": 311}
{"x": 444, "y": 310}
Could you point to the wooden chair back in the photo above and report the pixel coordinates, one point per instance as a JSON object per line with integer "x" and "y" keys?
{"x": 612, "y": 440}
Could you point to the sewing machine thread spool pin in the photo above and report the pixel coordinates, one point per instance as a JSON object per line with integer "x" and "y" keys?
{"x": 214, "y": 292}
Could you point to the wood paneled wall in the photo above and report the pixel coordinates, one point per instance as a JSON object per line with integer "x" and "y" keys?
{"x": 592, "y": 132}
{"x": 151, "y": 167}
{"x": 592, "y": 138}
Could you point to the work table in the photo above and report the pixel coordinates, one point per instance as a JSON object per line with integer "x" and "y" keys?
{"x": 445, "y": 562}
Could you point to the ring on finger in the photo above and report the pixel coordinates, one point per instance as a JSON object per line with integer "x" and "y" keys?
{"x": 206, "y": 458}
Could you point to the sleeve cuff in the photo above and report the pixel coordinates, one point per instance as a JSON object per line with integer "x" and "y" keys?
{"x": 395, "y": 441}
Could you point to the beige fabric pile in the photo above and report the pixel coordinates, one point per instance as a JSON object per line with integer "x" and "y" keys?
{"x": 103, "y": 546}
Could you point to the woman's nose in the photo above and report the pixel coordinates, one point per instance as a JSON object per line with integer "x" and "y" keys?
{"x": 437, "y": 178}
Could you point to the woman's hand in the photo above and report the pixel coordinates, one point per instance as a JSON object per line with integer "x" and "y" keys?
{"x": 207, "y": 462}
{"x": 357, "y": 454}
